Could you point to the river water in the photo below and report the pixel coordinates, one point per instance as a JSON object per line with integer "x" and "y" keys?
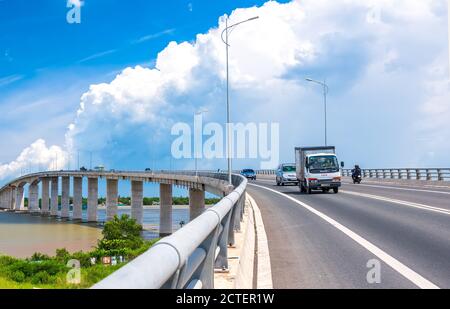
{"x": 22, "y": 234}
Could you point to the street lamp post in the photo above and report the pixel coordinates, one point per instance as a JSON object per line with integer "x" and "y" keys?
{"x": 227, "y": 32}
{"x": 325, "y": 92}
{"x": 196, "y": 150}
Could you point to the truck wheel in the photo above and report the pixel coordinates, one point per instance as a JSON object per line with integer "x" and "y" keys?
{"x": 302, "y": 188}
{"x": 336, "y": 190}
{"x": 282, "y": 184}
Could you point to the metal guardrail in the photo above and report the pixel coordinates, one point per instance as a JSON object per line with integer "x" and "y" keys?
{"x": 439, "y": 174}
{"x": 436, "y": 174}
{"x": 187, "y": 259}
{"x": 265, "y": 172}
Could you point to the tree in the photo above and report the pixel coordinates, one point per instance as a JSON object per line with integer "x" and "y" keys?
{"x": 121, "y": 233}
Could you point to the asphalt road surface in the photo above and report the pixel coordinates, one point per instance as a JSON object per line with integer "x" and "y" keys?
{"x": 342, "y": 240}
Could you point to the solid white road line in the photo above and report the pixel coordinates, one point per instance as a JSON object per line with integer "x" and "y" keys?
{"x": 398, "y": 188}
{"x": 400, "y": 202}
{"x": 402, "y": 269}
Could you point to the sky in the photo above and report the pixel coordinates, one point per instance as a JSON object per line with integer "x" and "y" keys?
{"x": 114, "y": 85}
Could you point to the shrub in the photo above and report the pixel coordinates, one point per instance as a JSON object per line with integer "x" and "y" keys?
{"x": 39, "y": 257}
{"x": 6, "y": 260}
{"x": 42, "y": 277}
{"x": 97, "y": 273}
{"x": 17, "y": 276}
{"x": 62, "y": 255}
{"x": 84, "y": 258}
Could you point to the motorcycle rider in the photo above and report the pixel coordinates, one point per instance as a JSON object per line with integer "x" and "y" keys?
{"x": 356, "y": 172}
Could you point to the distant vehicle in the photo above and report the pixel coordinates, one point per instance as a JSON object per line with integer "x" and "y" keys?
{"x": 148, "y": 169}
{"x": 99, "y": 168}
{"x": 356, "y": 175}
{"x": 83, "y": 169}
{"x": 249, "y": 174}
{"x": 286, "y": 174}
{"x": 317, "y": 168}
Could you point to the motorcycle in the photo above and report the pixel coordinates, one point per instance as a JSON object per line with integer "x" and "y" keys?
{"x": 356, "y": 179}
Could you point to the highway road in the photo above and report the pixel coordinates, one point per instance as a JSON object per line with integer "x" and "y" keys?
{"x": 327, "y": 240}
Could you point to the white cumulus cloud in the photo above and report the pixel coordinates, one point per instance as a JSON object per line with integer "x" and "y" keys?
{"x": 36, "y": 156}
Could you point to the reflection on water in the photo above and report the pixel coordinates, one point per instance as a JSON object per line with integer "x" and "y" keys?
{"x": 22, "y": 234}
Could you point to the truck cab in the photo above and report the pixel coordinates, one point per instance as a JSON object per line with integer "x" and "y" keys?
{"x": 318, "y": 169}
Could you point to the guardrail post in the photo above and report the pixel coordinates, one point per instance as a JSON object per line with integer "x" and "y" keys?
{"x": 418, "y": 174}
{"x": 222, "y": 259}
{"x": 234, "y": 217}
{"x": 429, "y": 174}
{"x": 408, "y": 173}
{"x": 237, "y": 219}
{"x": 400, "y": 174}
{"x": 242, "y": 204}
{"x": 440, "y": 175}
{"x": 205, "y": 272}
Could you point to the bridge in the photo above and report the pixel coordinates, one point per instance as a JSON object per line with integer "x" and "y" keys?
{"x": 397, "y": 221}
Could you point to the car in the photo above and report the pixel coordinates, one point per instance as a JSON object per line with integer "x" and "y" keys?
{"x": 249, "y": 173}
{"x": 286, "y": 174}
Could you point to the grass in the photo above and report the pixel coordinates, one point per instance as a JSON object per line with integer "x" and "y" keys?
{"x": 50, "y": 274}
{"x": 88, "y": 278}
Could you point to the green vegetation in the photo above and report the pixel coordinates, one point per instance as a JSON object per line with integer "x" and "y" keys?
{"x": 121, "y": 238}
{"x": 148, "y": 201}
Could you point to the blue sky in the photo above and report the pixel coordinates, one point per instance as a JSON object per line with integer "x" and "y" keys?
{"x": 116, "y": 83}
{"x": 113, "y": 34}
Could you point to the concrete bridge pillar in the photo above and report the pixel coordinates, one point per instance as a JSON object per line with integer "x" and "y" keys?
{"x": 45, "y": 197}
{"x": 12, "y": 198}
{"x": 165, "y": 204}
{"x": 137, "y": 196}
{"x": 33, "y": 198}
{"x": 77, "y": 198}
{"x": 65, "y": 196}
{"x": 92, "y": 199}
{"x": 112, "y": 198}
{"x": 7, "y": 198}
{"x": 196, "y": 203}
{"x": 54, "y": 197}
{"x": 20, "y": 202}
{"x": 4, "y": 199}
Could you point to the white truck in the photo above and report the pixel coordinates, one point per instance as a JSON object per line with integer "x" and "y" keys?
{"x": 317, "y": 168}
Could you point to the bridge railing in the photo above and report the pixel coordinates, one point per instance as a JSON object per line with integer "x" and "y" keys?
{"x": 187, "y": 259}
{"x": 439, "y": 174}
